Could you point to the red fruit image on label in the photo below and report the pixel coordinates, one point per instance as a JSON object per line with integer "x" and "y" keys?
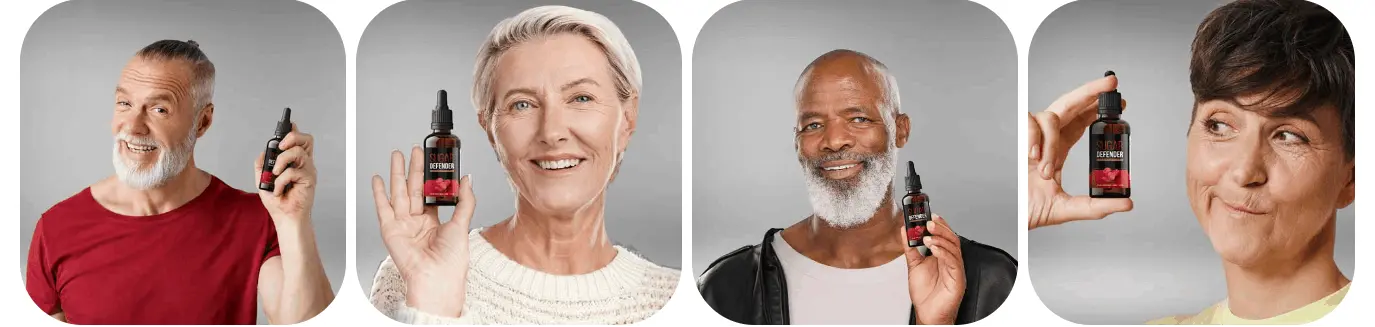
{"x": 1111, "y": 178}
{"x": 266, "y": 177}
{"x": 440, "y": 187}
{"x": 915, "y": 233}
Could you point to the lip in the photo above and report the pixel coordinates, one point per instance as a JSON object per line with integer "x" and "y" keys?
{"x": 1241, "y": 209}
{"x": 534, "y": 162}
{"x": 129, "y": 153}
{"x": 848, "y": 169}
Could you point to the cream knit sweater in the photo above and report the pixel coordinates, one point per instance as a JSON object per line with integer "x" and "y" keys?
{"x": 501, "y": 291}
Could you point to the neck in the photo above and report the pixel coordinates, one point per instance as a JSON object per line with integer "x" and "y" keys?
{"x": 570, "y": 243}
{"x": 871, "y": 244}
{"x": 119, "y": 198}
{"x": 1286, "y": 283}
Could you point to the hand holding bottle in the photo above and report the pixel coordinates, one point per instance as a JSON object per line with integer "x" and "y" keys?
{"x": 1051, "y": 133}
{"x": 936, "y": 283}
{"x": 292, "y": 177}
{"x": 432, "y": 256}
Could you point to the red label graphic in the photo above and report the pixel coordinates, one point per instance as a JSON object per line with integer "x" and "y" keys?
{"x": 1111, "y": 178}
{"x": 440, "y": 187}
{"x": 915, "y": 233}
{"x": 266, "y": 177}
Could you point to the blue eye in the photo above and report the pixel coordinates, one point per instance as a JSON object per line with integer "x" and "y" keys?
{"x": 520, "y": 105}
{"x": 582, "y": 98}
{"x": 860, "y": 120}
{"x": 811, "y": 126}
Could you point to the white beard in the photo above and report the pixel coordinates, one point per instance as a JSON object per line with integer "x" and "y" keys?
{"x": 171, "y": 161}
{"x": 842, "y": 205}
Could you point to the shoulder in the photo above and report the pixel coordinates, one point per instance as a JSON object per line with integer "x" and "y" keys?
{"x": 1201, "y": 318}
{"x": 991, "y": 261}
{"x": 731, "y": 272}
{"x": 79, "y": 205}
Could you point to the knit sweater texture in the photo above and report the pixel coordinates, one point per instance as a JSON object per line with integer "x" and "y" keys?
{"x": 502, "y": 291}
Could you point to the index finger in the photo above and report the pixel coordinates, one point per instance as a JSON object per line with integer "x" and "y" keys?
{"x": 297, "y": 138}
{"x": 400, "y": 201}
{"x": 1082, "y": 100}
{"x": 940, "y": 228}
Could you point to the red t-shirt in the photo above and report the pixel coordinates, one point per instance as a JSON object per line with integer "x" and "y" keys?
{"x": 196, "y": 264}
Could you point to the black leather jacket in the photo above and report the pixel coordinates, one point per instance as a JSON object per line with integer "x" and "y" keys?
{"x": 747, "y": 285}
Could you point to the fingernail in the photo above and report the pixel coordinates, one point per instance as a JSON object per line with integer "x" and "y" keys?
{"x": 415, "y": 145}
{"x": 926, "y": 240}
{"x": 1035, "y": 152}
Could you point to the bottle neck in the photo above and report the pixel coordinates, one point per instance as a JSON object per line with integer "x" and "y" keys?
{"x": 1109, "y": 115}
{"x": 441, "y": 131}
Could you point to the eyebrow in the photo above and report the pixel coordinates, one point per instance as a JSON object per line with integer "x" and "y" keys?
{"x": 580, "y": 81}
{"x": 160, "y": 96}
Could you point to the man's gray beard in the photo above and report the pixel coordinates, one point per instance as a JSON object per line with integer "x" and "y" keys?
{"x": 171, "y": 161}
{"x": 843, "y": 205}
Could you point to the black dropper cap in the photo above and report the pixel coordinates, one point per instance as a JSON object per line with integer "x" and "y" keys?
{"x": 1110, "y": 103}
{"x": 442, "y": 118}
{"x": 913, "y": 180}
{"x": 284, "y": 126}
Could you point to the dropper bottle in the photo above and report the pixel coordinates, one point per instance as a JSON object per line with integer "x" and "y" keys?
{"x": 266, "y": 180}
{"x": 1109, "y": 145}
{"x": 916, "y": 211}
{"x": 441, "y": 155}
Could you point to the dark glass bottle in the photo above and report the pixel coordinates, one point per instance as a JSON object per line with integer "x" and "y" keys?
{"x": 916, "y": 211}
{"x": 441, "y": 156}
{"x": 1109, "y": 149}
{"x": 266, "y": 178}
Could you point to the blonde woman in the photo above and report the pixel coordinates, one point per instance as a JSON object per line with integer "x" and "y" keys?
{"x": 556, "y": 90}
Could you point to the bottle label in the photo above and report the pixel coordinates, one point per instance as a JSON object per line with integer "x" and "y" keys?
{"x": 1109, "y": 158}
{"x": 441, "y": 164}
{"x": 269, "y": 161}
{"x": 917, "y": 214}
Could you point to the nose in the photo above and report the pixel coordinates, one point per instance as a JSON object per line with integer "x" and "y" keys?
{"x": 836, "y": 138}
{"x": 1248, "y": 168}
{"x": 553, "y": 130}
{"x": 133, "y": 122}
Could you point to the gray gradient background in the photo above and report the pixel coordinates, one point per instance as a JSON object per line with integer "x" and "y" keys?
{"x": 956, "y": 66}
{"x": 414, "y": 48}
{"x": 1154, "y": 261}
{"x": 267, "y": 54}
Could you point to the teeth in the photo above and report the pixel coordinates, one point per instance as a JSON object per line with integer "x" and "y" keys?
{"x": 839, "y": 167}
{"x": 135, "y": 148}
{"x": 558, "y": 164}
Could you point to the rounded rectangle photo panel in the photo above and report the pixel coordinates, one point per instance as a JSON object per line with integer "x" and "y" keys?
{"x": 1191, "y": 162}
{"x": 852, "y": 162}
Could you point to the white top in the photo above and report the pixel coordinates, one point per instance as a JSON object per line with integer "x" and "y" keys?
{"x": 823, "y": 295}
{"x": 501, "y": 291}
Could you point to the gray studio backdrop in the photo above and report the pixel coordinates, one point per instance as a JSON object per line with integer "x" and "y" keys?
{"x": 1154, "y": 261}
{"x": 414, "y": 48}
{"x": 267, "y": 54}
{"x": 956, "y": 66}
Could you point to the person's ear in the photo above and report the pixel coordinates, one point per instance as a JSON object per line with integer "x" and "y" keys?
{"x": 904, "y": 129}
{"x": 1348, "y": 194}
{"x": 207, "y": 116}
{"x": 630, "y": 109}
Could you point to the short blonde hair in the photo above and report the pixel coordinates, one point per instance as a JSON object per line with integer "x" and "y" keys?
{"x": 551, "y": 20}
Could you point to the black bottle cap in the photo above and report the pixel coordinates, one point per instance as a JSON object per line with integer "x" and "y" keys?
{"x": 913, "y": 180}
{"x": 442, "y": 117}
{"x": 283, "y": 126}
{"x": 1110, "y": 103}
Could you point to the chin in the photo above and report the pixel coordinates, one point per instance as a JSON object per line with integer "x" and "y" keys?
{"x": 1239, "y": 247}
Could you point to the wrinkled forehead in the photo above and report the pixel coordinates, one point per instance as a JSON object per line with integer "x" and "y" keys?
{"x": 168, "y": 74}
{"x": 829, "y": 91}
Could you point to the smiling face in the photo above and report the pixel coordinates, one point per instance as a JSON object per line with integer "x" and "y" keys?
{"x": 154, "y": 122}
{"x": 558, "y": 123}
{"x": 846, "y": 141}
{"x": 1264, "y": 188}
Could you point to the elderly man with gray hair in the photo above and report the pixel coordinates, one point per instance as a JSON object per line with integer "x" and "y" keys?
{"x": 164, "y": 242}
{"x": 849, "y": 263}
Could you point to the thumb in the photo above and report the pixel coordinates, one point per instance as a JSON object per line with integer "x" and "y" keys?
{"x": 1087, "y": 208}
{"x": 467, "y": 204}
